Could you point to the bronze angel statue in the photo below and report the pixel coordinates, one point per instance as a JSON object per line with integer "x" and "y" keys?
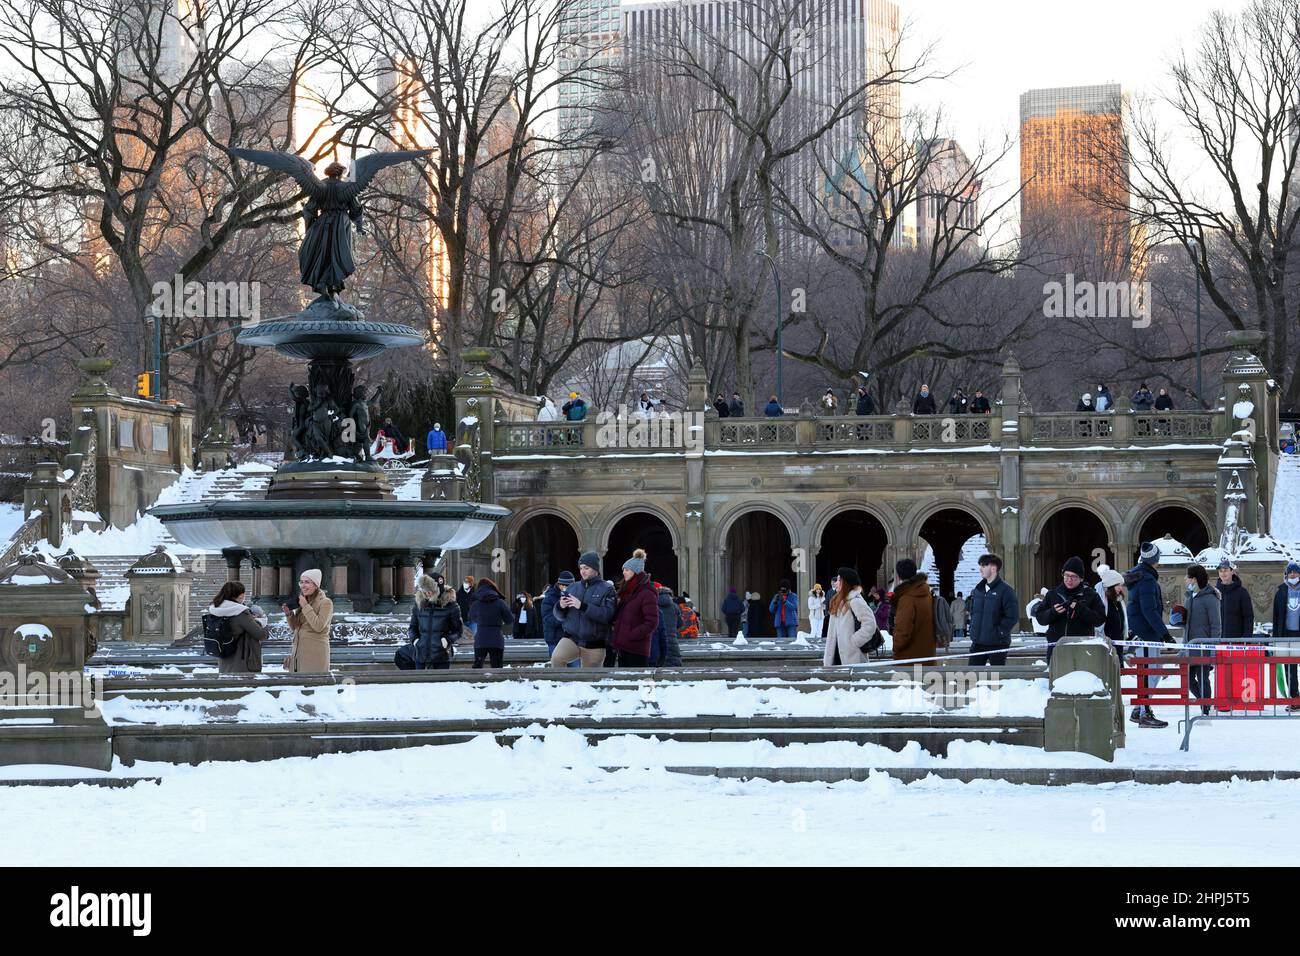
{"x": 325, "y": 256}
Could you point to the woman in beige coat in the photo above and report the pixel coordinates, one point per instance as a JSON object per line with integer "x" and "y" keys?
{"x": 310, "y": 623}
{"x": 845, "y": 636}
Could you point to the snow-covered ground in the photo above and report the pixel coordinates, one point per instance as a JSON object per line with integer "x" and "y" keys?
{"x": 546, "y": 801}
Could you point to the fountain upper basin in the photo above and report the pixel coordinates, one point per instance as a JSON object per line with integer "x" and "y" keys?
{"x": 302, "y": 524}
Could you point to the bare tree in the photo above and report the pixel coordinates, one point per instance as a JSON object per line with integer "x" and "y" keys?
{"x": 1236, "y": 97}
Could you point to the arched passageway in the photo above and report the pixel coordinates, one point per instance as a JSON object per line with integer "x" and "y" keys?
{"x": 545, "y": 545}
{"x": 646, "y": 531}
{"x": 1070, "y": 532}
{"x": 854, "y": 539}
{"x": 946, "y": 532}
{"x": 1183, "y": 524}
{"x": 757, "y": 559}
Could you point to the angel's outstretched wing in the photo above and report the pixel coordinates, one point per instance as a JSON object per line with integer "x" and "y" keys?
{"x": 297, "y": 167}
{"x": 364, "y": 169}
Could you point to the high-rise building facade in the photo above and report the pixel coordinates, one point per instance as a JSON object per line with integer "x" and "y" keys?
{"x": 1073, "y": 155}
{"x": 947, "y": 201}
{"x": 590, "y": 53}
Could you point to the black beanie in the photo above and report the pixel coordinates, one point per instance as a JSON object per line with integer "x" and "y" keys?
{"x": 905, "y": 569}
{"x": 1075, "y": 564}
{"x": 849, "y": 578}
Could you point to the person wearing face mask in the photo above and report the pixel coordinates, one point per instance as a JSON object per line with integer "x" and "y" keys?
{"x": 1286, "y": 623}
{"x": 923, "y": 404}
{"x": 1204, "y": 621}
{"x": 434, "y": 628}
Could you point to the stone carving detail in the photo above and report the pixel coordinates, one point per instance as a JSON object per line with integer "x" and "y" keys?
{"x": 802, "y": 508}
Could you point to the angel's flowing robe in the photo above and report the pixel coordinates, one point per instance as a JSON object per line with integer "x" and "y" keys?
{"x": 325, "y": 257}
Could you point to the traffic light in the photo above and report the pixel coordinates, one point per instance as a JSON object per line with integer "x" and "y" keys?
{"x": 142, "y": 385}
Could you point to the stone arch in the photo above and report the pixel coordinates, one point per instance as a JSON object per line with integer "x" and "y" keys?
{"x": 1106, "y": 515}
{"x": 542, "y": 543}
{"x": 919, "y": 514}
{"x": 606, "y": 520}
{"x": 647, "y": 528}
{"x": 759, "y": 559}
{"x": 514, "y": 523}
{"x": 1151, "y": 510}
{"x": 949, "y": 540}
{"x": 865, "y": 549}
{"x": 1050, "y": 543}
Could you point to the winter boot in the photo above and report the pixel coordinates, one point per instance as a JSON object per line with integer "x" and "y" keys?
{"x": 1136, "y": 716}
{"x": 1151, "y": 720}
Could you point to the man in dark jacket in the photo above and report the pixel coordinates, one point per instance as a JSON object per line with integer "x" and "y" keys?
{"x": 1238, "y": 612}
{"x": 721, "y": 407}
{"x": 958, "y": 404}
{"x": 994, "y": 613}
{"x": 1286, "y": 623}
{"x": 465, "y": 597}
{"x": 1146, "y": 619}
{"x": 980, "y": 403}
{"x": 737, "y": 406}
{"x": 434, "y": 629}
{"x": 866, "y": 404}
{"x": 733, "y": 608}
{"x": 585, "y": 613}
{"x": 1072, "y": 608}
{"x": 1143, "y": 400}
{"x": 923, "y": 404}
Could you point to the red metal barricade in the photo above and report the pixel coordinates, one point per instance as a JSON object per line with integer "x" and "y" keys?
{"x": 1245, "y": 683}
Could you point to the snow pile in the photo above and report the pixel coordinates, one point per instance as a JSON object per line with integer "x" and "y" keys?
{"x": 740, "y": 639}
{"x": 543, "y": 699}
{"x": 11, "y": 519}
{"x": 1285, "y": 516}
{"x": 1079, "y": 684}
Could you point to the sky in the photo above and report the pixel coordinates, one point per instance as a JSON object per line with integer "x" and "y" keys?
{"x": 1006, "y": 47}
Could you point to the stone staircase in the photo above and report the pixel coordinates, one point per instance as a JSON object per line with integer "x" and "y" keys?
{"x": 209, "y": 572}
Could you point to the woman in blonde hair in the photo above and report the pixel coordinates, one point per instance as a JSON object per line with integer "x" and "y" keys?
{"x": 851, "y": 625}
{"x": 816, "y": 610}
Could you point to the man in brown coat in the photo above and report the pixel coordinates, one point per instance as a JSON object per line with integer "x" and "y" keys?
{"x": 913, "y": 613}
{"x": 310, "y": 623}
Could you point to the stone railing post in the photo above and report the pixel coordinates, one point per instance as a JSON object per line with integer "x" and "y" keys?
{"x": 1085, "y": 713}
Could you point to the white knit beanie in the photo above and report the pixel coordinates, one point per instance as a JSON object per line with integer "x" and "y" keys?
{"x": 314, "y": 576}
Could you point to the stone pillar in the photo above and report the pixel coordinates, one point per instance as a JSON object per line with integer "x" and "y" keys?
{"x": 215, "y": 449}
{"x": 385, "y": 565}
{"x": 286, "y": 585}
{"x": 234, "y": 562}
{"x": 1085, "y": 713}
{"x": 404, "y": 582}
{"x": 160, "y": 597}
{"x": 267, "y": 580}
{"x": 337, "y": 580}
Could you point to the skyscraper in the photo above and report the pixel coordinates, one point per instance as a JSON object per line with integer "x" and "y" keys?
{"x": 948, "y": 198}
{"x": 590, "y": 51}
{"x": 1073, "y": 156}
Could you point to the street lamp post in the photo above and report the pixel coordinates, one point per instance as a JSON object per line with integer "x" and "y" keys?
{"x": 776, "y": 276}
{"x": 1196, "y": 269}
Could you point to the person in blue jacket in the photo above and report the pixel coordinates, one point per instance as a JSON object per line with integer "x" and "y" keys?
{"x": 1146, "y": 619}
{"x": 784, "y": 608}
{"x": 773, "y": 408}
{"x": 552, "y": 631}
{"x": 436, "y": 440}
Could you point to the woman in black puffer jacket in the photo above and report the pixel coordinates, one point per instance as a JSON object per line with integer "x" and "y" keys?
{"x": 435, "y": 627}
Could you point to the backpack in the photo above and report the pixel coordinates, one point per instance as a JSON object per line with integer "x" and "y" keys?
{"x": 690, "y": 627}
{"x": 218, "y": 638}
{"x": 942, "y": 621}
